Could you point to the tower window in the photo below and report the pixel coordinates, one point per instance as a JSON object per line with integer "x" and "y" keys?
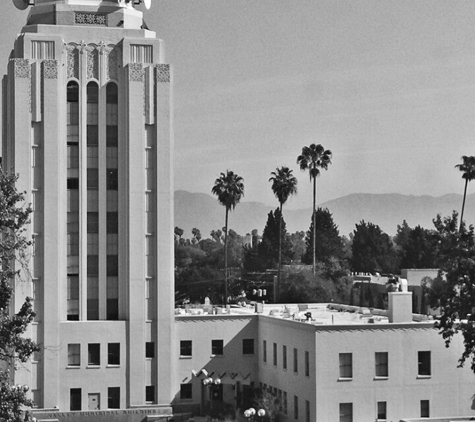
{"x": 150, "y": 349}
{"x": 73, "y": 298}
{"x": 73, "y": 183}
{"x": 112, "y": 179}
{"x": 150, "y": 393}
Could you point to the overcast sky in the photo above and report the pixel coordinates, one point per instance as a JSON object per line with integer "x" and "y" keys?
{"x": 387, "y": 86}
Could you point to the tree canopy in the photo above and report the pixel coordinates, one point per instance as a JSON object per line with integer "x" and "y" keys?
{"x": 372, "y": 250}
{"x": 454, "y": 290}
{"x": 15, "y": 348}
{"x": 328, "y": 244}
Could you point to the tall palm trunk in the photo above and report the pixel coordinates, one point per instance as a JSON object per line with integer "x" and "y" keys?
{"x": 279, "y": 270}
{"x": 314, "y": 223}
{"x": 226, "y": 258}
{"x": 463, "y": 203}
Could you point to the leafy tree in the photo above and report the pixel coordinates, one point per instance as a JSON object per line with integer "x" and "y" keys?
{"x": 14, "y": 347}
{"x": 284, "y": 184}
{"x": 454, "y": 290}
{"x": 416, "y": 248}
{"x": 302, "y": 286}
{"x": 196, "y": 235}
{"x": 328, "y": 244}
{"x": 297, "y": 240}
{"x": 216, "y": 235}
{"x": 266, "y": 254}
{"x": 178, "y": 233}
{"x": 314, "y": 158}
{"x": 269, "y": 403}
{"x": 229, "y": 188}
{"x": 468, "y": 169}
{"x": 372, "y": 250}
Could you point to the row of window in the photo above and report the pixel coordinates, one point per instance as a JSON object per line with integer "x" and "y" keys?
{"x": 112, "y": 180}
{"x": 381, "y": 367}
{"x": 94, "y": 353}
{"x": 217, "y": 347}
{"x": 346, "y": 411}
{"x": 295, "y": 360}
{"x": 113, "y": 398}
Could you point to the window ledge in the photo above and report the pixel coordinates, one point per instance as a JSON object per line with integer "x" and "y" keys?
{"x": 112, "y": 366}
{"x": 345, "y": 379}
{"x": 185, "y": 357}
{"x": 93, "y": 366}
{"x": 73, "y": 367}
{"x": 424, "y": 377}
{"x": 376, "y": 378}
{"x": 217, "y": 356}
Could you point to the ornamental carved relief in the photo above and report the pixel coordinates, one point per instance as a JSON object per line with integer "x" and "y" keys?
{"x": 22, "y": 68}
{"x": 136, "y": 73}
{"x": 92, "y": 62}
{"x": 90, "y": 19}
{"x": 112, "y": 62}
{"x": 50, "y": 69}
{"x": 72, "y": 60}
{"x": 162, "y": 73}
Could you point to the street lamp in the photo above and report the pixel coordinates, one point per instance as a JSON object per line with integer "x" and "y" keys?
{"x": 209, "y": 382}
{"x": 251, "y": 412}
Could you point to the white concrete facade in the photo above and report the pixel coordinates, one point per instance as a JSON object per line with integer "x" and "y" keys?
{"x": 329, "y": 372}
{"x": 88, "y": 126}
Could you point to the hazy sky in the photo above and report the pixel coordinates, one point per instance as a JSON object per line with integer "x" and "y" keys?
{"x": 388, "y": 86}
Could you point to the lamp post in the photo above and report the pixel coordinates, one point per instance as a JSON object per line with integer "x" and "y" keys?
{"x": 210, "y": 382}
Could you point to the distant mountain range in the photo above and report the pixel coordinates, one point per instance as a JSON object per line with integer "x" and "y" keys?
{"x": 203, "y": 211}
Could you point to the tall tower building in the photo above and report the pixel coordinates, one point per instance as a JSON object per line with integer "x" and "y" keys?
{"x": 87, "y": 124}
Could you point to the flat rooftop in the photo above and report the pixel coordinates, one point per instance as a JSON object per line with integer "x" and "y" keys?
{"x": 308, "y": 313}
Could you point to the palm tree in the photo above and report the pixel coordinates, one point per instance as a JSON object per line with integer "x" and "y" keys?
{"x": 468, "y": 169}
{"x": 284, "y": 184}
{"x": 229, "y": 188}
{"x": 314, "y": 158}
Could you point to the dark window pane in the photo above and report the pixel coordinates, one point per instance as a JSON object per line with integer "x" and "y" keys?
{"x": 248, "y": 346}
{"x": 92, "y": 135}
{"x": 113, "y": 353}
{"x": 112, "y": 265}
{"x": 113, "y": 397}
{"x": 73, "y": 183}
{"x": 425, "y": 411}
{"x": 186, "y": 391}
{"x": 112, "y": 136}
{"x": 92, "y": 265}
{"x": 112, "y": 179}
{"x": 112, "y": 222}
{"x": 112, "y": 93}
{"x": 92, "y": 92}
{"x": 185, "y": 348}
{"x": 73, "y": 92}
{"x": 75, "y": 399}
{"x": 94, "y": 354}
{"x": 112, "y": 309}
{"x": 150, "y": 349}
{"x": 92, "y": 178}
{"x": 150, "y": 393}
{"x": 216, "y": 347}
{"x": 93, "y": 222}
{"x": 424, "y": 363}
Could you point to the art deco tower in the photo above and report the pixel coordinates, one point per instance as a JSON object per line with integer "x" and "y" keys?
{"x": 87, "y": 124}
